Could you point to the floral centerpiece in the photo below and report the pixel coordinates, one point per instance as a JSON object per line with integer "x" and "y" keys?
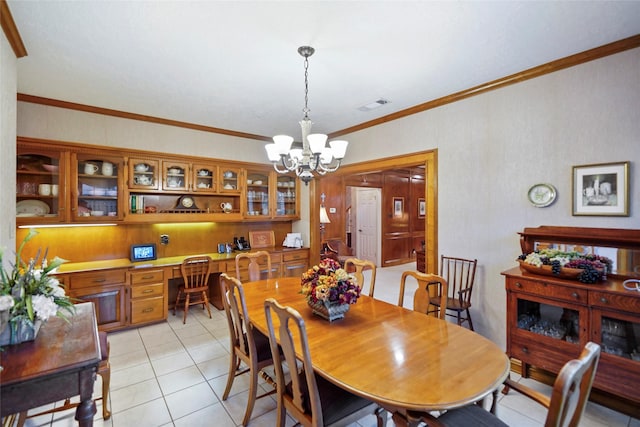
{"x": 329, "y": 289}
{"x": 587, "y": 268}
{"x": 29, "y": 295}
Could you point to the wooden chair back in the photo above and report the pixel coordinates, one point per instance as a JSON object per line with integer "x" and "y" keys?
{"x": 572, "y": 387}
{"x": 255, "y": 269}
{"x": 421, "y": 295}
{"x": 237, "y": 315}
{"x": 360, "y": 265}
{"x": 460, "y": 273}
{"x": 195, "y": 273}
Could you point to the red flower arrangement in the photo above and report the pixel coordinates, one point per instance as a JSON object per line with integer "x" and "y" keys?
{"x": 329, "y": 282}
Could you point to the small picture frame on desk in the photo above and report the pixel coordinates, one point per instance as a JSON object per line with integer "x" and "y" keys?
{"x": 601, "y": 189}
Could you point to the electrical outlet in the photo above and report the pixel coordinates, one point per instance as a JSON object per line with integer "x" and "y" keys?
{"x": 164, "y": 239}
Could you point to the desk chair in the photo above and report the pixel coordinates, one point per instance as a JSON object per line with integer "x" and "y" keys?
{"x": 248, "y": 345}
{"x": 360, "y": 265}
{"x": 460, "y": 274}
{"x": 195, "y": 274}
{"x": 254, "y": 266}
{"x": 309, "y": 398}
{"x": 104, "y": 370}
{"x": 565, "y": 406}
{"x": 421, "y": 300}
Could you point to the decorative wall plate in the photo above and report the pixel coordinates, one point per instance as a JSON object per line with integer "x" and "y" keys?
{"x": 542, "y": 195}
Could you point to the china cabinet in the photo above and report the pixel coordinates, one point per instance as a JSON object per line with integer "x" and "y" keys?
{"x": 40, "y": 185}
{"x": 257, "y": 197}
{"x": 230, "y": 179}
{"x": 286, "y": 196}
{"x": 143, "y": 174}
{"x": 550, "y": 319}
{"x": 96, "y": 187}
{"x": 175, "y": 176}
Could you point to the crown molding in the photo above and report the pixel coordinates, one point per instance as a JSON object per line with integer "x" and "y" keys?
{"x": 11, "y": 31}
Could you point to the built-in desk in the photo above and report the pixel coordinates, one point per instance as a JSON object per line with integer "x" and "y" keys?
{"x": 129, "y": 293}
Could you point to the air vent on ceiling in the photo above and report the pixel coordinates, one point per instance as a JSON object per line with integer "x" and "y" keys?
{"x": 373, "y": 105}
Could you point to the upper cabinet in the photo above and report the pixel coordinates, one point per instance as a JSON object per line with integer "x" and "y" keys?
{"x": 40, "y": 185}
{"x": 96, "y": 187}
{"x": 64, "y": 182}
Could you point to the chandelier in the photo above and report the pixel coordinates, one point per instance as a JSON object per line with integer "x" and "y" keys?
{"x": 314, "y": 156}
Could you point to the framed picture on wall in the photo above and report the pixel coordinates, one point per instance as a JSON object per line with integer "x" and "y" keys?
{"x": 398, "y": 207}
{"x": 601, "y": 189}
{"x": 422, "y": 208}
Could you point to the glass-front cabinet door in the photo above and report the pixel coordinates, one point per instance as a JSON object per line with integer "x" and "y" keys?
{"x": 286, "y": 196}
{"x": 257, "y": 194}
{"x": 40, "y": 186}
{"x": 143, "y": 174}
{"x": 97, "y": 187}
{"x": 229, "y": 179}
{"x": 175, "y": 176}
{"x": 204, "y": 178}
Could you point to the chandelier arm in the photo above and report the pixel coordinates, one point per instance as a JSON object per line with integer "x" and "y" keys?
{"x": 275, "y": 166}
{"x": 288, "y": 163}
{"x": 328, "y": 168}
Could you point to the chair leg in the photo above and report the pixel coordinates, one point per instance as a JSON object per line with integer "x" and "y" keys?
{"x": 253, "y": 391}
{"x": 381, "y": 417}
{"x": 469, "y": 320}
{"x": 234, "y": 363}
{"x": 106, "y": 383}
{"x": 175, "y": 307}
{"x": 206, "y": 302}
{"x": 186, "y": 308}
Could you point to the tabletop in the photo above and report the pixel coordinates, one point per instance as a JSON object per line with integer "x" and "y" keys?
{"x": 401, "y": 359}
{"x": 61, "y": 362}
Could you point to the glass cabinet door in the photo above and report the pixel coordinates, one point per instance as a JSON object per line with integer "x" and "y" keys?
{"x": 143, "y": 174}
{"x": 204, "y": 178}
{"x": 229, "y": 179}
{"x": 40, "y": 190}
{"x": 175, "y": 176}
{"x": 98, "y": 187}
{"x": 559, "y": 322}
{"x": 257, "y": 194}
{"x": 286, "y": 196}
{"x": 619, "y": 335}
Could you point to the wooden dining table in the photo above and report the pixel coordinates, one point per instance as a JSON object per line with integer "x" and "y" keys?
{"x": 405, "y": 361}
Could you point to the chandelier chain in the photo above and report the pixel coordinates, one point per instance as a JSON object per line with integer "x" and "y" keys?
{"x": 306, "y": 87}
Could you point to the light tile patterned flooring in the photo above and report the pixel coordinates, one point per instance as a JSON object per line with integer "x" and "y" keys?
{"x": 170, "y": 374}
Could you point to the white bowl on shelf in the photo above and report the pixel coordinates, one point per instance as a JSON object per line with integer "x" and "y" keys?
{"x": 97, "y": 213}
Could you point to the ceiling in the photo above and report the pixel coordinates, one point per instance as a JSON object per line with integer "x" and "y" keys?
{"x": 234, "y": 64}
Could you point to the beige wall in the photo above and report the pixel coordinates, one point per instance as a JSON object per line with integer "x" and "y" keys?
{"x": 491, "y": 149}
{"x": 8, "y": 85}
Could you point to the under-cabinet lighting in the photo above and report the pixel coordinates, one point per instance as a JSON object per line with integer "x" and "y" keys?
{"x": 65, "y": 225}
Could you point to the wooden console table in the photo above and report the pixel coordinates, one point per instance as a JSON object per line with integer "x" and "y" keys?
{"x": 60, "y": 363}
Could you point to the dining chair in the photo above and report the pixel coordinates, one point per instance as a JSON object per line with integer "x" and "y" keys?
{"x": 460, "y": 274}
{"x": 421, "y": 299}
{"x": 306, "y": 396}
{"x": 360, "y": 265}
{"x": 565, "y": 405}
{"x": 195, "y": 275}
{"x": 255, "y": 270}
{"x": 104, "y": 370}
{"x": 248, "y": 345}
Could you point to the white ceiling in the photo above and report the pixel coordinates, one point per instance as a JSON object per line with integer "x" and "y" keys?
{"x": 234, "y": 64}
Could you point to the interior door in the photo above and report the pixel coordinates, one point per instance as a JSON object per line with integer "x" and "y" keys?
{"x": 368, "y": 224}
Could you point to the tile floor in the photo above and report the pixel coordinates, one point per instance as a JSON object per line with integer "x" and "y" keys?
{"x": 170, "y": 374}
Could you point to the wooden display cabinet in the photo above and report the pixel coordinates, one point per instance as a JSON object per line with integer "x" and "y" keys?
{"x": 96, "y": 187}
{"x": 229, "y": 179}
{"x": 258, "y": 195}
{"x": 204, "y": 178}
{"x": 41, "y": 185}
{"x": 550, "y": 319}
{"x": 143, "y": 174}
{"x": 175, "y": 176}
{"x": 286, "y": 197}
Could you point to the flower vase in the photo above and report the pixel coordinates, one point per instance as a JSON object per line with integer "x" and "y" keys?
{"x": 328, "y": 310}
{"x": 20, "y": 331}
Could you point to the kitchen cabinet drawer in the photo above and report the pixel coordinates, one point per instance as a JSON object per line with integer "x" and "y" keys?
{"x": 146, "y": 276}
{"x": 295, "y": 256}
{"x": 97, "y": 278}
{"x": 615, "y": 301}
{"x": 147, "y": 310}
{"x": 146, "y": 291}
{"x": 541, "y": 288}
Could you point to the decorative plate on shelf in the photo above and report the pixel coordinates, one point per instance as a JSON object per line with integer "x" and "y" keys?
{"x": 542, "y": 195}
{"x": 36, "y": 207}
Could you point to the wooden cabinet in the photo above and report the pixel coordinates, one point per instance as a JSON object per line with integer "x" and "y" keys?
{"x": 286, "y": 197}
{"x": 294, "y": 263}
{"x": 258, "y": 195}
{"x": 148, "y": 299}
{"x": 41, "y": 185}
{"x": 143, "y": 174}
{"x": 550, "y": 319}
{"x": 96, "y": 187}
{"x": 106, "y": 289}
{"x": 421, "y": 266}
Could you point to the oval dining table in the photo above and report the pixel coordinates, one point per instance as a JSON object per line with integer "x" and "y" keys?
{"x": 403, "y": 360}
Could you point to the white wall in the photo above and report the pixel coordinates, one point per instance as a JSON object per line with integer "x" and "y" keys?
{"x": 8, "y": 87}
{"x": 491, "y": 149}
